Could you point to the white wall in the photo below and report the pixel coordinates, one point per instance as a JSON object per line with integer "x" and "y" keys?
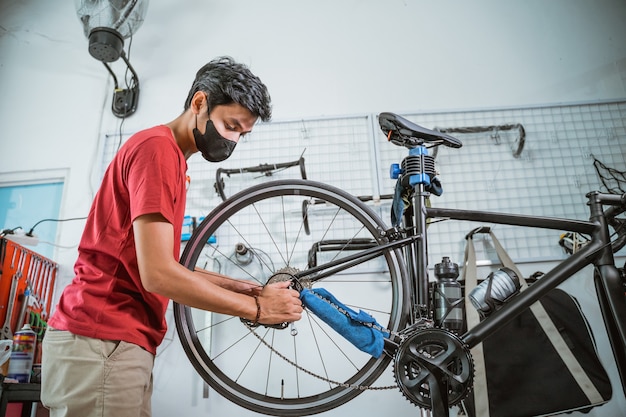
{"x": 318, "y": 58}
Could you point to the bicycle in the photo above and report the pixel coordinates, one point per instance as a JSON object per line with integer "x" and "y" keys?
{"x": 314, "y": 234}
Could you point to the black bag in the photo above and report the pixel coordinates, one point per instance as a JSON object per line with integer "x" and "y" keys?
{"x": 518, "y": 370}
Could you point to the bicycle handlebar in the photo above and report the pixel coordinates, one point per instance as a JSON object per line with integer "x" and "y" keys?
{"x": 265, "y": 169}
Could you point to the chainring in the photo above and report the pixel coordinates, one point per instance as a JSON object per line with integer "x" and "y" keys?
{"x": 432, "y": 364}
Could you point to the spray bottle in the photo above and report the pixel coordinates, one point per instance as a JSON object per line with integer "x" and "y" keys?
{"x": 22, "y": 354}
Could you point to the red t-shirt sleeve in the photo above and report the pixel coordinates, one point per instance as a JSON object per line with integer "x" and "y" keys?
{"x": 152, "y": 178}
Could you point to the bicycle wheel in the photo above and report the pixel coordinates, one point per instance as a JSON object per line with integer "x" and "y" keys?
{"x": 307, "y": 367}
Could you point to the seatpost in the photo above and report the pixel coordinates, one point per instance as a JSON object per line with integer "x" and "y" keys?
{"x": 419, "y": 167}
{"x": 419, "y": 181}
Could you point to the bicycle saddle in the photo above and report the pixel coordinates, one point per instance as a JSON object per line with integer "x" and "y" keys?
{"x": 403, "y": 132}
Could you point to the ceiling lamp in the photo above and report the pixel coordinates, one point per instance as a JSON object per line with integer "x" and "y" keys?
{"x": 106, "y": 24}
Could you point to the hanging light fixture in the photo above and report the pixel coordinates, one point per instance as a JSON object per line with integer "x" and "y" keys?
{"x": 106, "y": 24}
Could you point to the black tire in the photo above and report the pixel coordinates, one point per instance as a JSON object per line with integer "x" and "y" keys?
{"x": 268, "y": 220}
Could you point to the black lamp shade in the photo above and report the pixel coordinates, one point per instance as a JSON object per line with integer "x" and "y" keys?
{"x": 105, "y": 44}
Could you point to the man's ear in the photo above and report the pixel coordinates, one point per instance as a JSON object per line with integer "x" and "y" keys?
{"x": 199, "y": 102}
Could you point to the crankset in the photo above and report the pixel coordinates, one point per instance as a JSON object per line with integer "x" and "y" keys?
{"x": 434, "y": 369}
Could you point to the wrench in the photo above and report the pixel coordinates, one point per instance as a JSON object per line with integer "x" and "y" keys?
{"x": 49, "y": 288}
{"x": 40, "y": 296}
{"x": 31, "y": 278}
{"x": 40, "y": 279}
{"x": 7, "y": 332}
{"x": 23, "y": 308}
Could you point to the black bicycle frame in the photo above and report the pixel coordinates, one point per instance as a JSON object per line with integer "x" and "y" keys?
{"x": 597, "y": 252}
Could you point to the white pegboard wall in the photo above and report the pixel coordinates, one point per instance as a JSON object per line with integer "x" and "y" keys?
{"x": 548, "y": 178}
{"x": 335, "y": 151}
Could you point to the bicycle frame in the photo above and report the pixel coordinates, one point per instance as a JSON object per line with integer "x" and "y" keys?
{"x": 597, "y": 252}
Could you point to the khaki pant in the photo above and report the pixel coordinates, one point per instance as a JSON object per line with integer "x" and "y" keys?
{"x": 85, "y": 377}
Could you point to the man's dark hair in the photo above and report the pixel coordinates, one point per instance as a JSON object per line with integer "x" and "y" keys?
{"x": 226, "y": 81}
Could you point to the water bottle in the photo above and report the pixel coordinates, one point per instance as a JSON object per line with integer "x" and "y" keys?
{"x": 448, "y": 296}
{"x": 22, "y": 354}
{"x": 494, "y": 291}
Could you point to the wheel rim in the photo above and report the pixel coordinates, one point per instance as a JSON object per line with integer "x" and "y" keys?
{"x": 269, "y": 221}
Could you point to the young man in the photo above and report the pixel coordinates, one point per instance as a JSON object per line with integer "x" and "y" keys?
{"x": 98, "y": 351}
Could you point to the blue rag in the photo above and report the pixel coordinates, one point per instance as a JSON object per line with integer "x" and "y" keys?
{"x": 365, "y": 338}
{"x": 398, "y": 204}
{"x": 402, "y": 198}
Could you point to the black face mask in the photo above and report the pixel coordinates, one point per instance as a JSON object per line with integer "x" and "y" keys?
{"x": 214, "y": 147}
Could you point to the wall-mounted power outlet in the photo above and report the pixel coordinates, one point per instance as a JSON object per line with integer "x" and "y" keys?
{"x": 125, "y": 101}
{"x": 23, "y": 239}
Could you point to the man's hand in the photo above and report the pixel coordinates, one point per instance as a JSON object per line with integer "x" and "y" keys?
{"x": 279, "y": 304}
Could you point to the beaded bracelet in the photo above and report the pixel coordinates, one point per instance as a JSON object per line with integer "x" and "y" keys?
{"x": 258, "y": 311}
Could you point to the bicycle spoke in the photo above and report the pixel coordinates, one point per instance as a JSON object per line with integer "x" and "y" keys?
{"x": 229, "y": 347}
{"x": 328, "y": 335}
{"x": 269, "y": 366}
{"x": 199, "y": 331}
{"x": 316, "y": 343}
{"x": 297, "y": 239}
{"x": 269, "y": 234}
{"x": 248, "y": 361}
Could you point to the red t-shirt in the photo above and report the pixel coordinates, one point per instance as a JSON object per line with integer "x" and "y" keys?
{"x": 106, "y": 299}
